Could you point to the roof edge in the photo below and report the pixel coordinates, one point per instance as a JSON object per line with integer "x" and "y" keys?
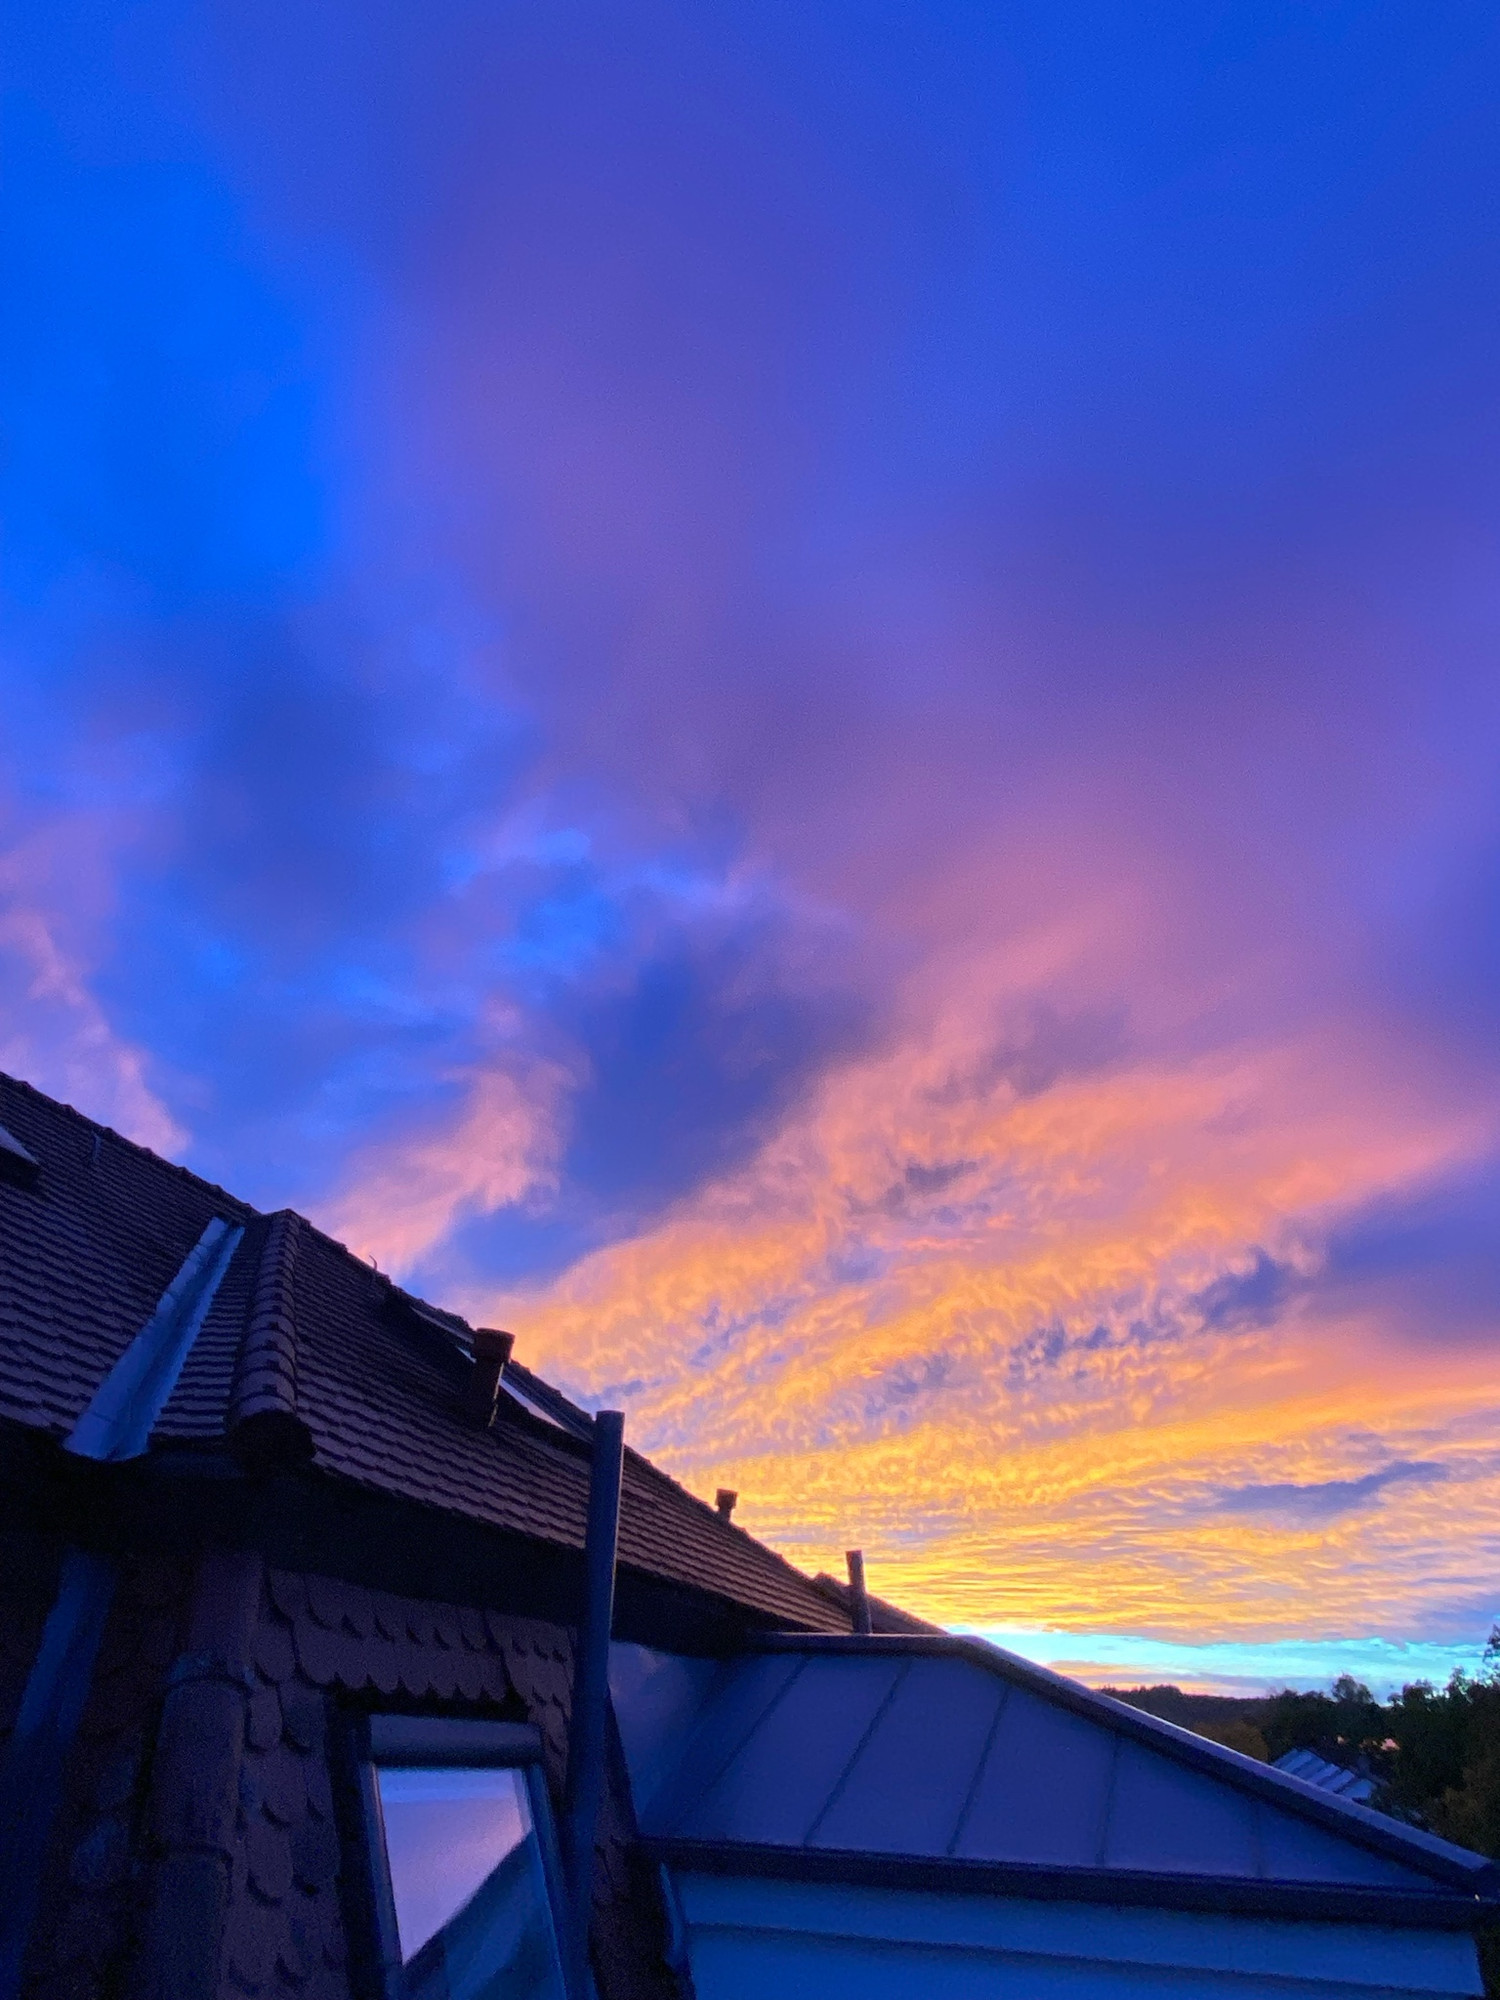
{"x": 244, "y": 1209}
{"x": 1311, "y": 1901}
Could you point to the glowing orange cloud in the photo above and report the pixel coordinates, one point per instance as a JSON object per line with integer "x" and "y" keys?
{"x": 959, "y": 1310}
{"x": 962, "y": 1326}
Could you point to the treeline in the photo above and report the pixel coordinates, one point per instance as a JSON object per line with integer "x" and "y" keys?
{"x": 1434, "y": 1753}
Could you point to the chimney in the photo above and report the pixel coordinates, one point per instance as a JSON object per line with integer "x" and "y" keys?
{"x": 491, "y": 1352}
{"x": 859, "y": 1597}
{"x": 724, "y": 1500}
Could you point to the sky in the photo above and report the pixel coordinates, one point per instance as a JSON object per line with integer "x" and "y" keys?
{"x": 803, "y": 698}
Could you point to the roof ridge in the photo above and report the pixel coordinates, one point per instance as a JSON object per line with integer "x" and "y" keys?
{"x": 262, "y": 1420}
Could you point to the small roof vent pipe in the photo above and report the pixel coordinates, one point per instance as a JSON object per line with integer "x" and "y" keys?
{"x": 491, "y": 1352}
{"x": 724, "y": 1500}
{"x": 859, "y": 1597}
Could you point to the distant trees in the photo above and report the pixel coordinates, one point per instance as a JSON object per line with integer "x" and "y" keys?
{"x": 1435, "y": 1753}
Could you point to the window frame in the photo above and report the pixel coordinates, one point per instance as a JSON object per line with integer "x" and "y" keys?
{"x": 378, "y": 1738}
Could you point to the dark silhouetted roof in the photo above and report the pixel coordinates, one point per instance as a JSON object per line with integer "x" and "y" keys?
{"x": 947, "y": 1762}
{"x": 306, "y": 1352}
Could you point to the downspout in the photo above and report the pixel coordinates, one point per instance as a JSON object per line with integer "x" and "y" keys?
{"x": 116, "y": 1426}
{"x": 195, "y": 1783}
{"x": 589, "y": 1719}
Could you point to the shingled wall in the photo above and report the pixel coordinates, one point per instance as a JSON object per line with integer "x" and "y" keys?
{"x": 91, "y": 1886}
{"x": 202, "y": 1790}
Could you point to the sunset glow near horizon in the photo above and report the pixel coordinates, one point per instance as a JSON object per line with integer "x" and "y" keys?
{"x": 805, "y": 700}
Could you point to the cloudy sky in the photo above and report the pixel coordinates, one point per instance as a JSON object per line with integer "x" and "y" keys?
{"x": 804, "y": 697}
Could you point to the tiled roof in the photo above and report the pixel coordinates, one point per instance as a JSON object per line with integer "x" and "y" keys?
{"x": 305, "y": 1347}
{"x": 883, "y": 1617}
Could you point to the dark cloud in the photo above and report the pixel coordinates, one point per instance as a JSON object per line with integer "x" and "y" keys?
{"x": 897, "y": 1396}
{"x": 1324, "y": 1500}
{"x": 1049, "y": 1046}
{"x": 689, "y": 1065}
{"x": 1431, "y": 1259}
{"x": 920, "y": 1182}
{"x": 1249, "y": 1299}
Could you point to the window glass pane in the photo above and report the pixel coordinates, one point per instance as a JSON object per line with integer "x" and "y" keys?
{"x": 466, "y": 1873}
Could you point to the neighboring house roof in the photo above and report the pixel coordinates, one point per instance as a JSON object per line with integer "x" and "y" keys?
{"x": 308, "y": 1351}
{"x": 1335, "y": 1778}
{"x": 938, "y": 1762}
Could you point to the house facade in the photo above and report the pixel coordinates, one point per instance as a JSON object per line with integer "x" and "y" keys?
{"x": 297, "y": 1575}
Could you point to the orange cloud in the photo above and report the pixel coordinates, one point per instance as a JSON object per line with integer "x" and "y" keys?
{"x": 967, "y": 1322}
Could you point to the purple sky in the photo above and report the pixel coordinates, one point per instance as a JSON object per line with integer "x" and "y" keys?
{"x": 805, "y": 699}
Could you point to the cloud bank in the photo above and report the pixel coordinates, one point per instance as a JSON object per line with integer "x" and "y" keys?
{"x": 805, "y": 702}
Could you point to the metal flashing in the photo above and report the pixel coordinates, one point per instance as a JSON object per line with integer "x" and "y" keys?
{"x": 124, "y": 1408}
{"x": 31, "y": 1776}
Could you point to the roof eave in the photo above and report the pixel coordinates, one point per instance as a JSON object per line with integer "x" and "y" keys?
{"x": 1133, "y": 1888}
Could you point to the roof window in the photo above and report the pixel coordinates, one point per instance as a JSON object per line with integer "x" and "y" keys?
{"x": 467, "y": 1890}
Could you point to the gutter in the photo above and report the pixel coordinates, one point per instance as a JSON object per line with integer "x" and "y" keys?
{"x": 1405, "y": 1909}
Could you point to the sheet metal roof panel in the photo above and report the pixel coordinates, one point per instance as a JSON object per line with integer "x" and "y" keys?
{"x": 1344, "y": 1819}
{"x": 931, "y": 1752}
{"x": 1293, "y": 1851}
{"x": 657, "y": 1699}
{"x": 788, "y": 1770}
{"x": 1043, "y": 1792}
{"x": 909, "y": 1784}
{"x": 1163, "y": 1816}
{"x": 739, "y": 1701}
